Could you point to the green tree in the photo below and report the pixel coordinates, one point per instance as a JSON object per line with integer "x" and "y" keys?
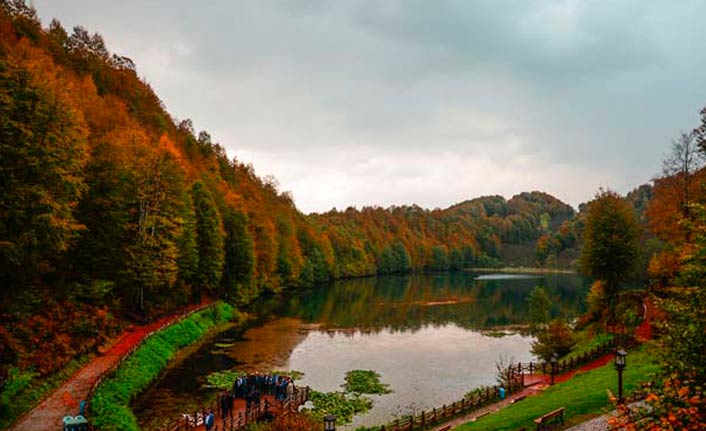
{"x": 43, "y": 153}
{"x": 610, "y": 243}
{"x": 210, "y": 239}
{"x": 386, "y": 261}
{"x": 155, "y": 202}
{"x": 540, "y": 307}
{"x": 456, "y": 260}
{"x": 439, "y": 258}
{"x": 469, "y": 255}
{"x": 188, "y": 261}
{"x": 403, "y": 261}
{"x": 239, "y": 267}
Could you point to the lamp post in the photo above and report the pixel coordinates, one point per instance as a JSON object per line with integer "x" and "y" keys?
{"x": 553, "y": 361}
{"x": 620, "y": 355}
{"x": 330, "y": 423}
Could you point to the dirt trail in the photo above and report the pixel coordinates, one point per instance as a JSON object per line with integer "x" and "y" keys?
{"x": 48, "y": 414}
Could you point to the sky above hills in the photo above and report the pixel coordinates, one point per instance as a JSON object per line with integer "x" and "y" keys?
{"x": 399, "y": 102}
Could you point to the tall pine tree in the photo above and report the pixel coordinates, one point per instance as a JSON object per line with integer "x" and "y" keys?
{"x": 209, "y": 239}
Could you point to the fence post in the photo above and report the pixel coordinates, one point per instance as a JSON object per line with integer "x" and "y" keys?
{"x": 424, "y": 422}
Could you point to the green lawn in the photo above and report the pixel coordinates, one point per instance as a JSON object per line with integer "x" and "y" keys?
{"x": 583, "y": 396}
{"x": 587, "y": 341}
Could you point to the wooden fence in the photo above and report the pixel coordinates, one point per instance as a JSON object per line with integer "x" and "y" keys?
{"x": 531, "y": 368}
{"x": 476, "y": 400}
{"x": 239, "y": 420}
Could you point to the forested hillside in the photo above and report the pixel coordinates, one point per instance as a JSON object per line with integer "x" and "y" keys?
{"x": 113, "y": 210}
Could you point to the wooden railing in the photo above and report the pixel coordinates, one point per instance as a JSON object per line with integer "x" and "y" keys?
{"x": 475, "y": 401}
{"x": 530, "y": 368}
{"x": 239, "y": 420}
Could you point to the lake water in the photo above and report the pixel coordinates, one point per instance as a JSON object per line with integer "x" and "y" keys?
{"x": 431, "y": 337}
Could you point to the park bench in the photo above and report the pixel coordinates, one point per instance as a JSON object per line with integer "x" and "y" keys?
{"x": 550, "y": 420}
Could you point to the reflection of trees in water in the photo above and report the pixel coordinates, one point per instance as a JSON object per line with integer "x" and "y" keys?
{"x": 401, "y": 303}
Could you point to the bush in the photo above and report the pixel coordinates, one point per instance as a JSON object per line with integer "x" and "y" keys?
{"x": 558, "y": 339}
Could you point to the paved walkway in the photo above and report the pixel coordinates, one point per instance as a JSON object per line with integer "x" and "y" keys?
{"x": 47, "y": 415}
{"x": 601, "y": 422}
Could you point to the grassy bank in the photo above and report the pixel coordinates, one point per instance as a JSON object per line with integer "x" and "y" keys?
{"x": 110, "y": 403}
{"x": 583, "y": 396}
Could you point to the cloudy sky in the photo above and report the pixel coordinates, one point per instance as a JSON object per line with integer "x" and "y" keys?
{"x": 426, "y": 102}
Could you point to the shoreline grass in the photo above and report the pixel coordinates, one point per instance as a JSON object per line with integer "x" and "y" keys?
{"x": 110, "y": 404}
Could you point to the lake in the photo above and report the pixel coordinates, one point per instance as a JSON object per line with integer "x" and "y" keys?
{"x": 431, "y": 337}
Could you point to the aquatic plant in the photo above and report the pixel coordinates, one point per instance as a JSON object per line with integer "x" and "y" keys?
{"x": 365, "y": 382}
{"x": 343, "y": 405}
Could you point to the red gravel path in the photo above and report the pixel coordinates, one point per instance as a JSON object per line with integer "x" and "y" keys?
{"x": 47, "y": 415}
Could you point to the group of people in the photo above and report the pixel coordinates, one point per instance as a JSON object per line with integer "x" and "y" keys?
{"x": 253, "y": 386}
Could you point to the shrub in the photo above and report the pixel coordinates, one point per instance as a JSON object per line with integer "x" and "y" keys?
{"x": 558, "y": 339}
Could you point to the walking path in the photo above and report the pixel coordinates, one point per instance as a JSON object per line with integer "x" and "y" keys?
{"x": 601, "y": 422}
{"x": 47, "y": 415}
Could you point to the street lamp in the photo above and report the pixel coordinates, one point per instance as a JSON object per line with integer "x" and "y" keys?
{"x": 553, "y": 361}
{"x": 330, "y": 423}
{"x": 620, "y": 355}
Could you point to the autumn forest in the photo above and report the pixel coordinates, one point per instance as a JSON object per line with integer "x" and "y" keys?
{"x": 114, "y": 212}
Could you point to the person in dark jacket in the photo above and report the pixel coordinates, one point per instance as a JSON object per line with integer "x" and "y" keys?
{"x": 209, "y": 421}
{"x": 223, "y": 404}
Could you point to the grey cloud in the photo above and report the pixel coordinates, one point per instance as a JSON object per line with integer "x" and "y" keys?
{"x": 592, "y": 87}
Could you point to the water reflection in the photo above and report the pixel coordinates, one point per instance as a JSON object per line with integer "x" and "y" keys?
{"x": 412, "y": 302}
{"x": 422, "y": 333}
